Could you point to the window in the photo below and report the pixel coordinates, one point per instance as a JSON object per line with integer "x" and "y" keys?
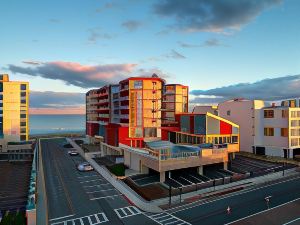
{"x": 23, "y": 101}
{"x": 294, "y": 141}
{"x": 269, "y": 131}
{"x": 23, "y": 94}
{"x": 295, "y": 132}
{"x": 228, "y": 113}
{"x": 23, "y": 87}
{"x": 284, "y": 132}
{"x": 22, "y": 124}
{"x": 295, "y": 114}
{"x": 295, "y": 123}
{"x": 138, "y": 84}
{"x": 234, "y": 139}
{"x": 285, "y": 113}
{"x": 23, "y": 115}
{"x": 269, "y": 114}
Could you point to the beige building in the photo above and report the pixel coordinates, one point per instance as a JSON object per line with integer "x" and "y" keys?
{"x": 243, "y": 112}
{"x": 14, "y": 96}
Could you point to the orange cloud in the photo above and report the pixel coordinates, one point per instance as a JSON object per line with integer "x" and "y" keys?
{"x": 55, "y": 111}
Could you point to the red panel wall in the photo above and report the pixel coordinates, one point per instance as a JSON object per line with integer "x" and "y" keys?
{"x": 225, "y": 128}
{"x": 92, "y": 129}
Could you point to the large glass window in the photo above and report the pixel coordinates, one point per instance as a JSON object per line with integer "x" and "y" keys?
{"x": 138, "y": 84}
{"x": 284, "y": 132}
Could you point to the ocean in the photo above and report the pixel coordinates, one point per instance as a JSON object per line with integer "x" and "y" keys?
{"x": 49, "y": 124}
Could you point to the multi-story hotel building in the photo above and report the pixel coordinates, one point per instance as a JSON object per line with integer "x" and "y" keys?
{"x": 129, "y": 111}
{"x": 14, "y": 111}
{"x": 175, "y": 100}
{"x": 266, "y": 130}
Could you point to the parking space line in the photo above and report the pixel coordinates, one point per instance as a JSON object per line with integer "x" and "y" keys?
{"x": 91, "y": 192}
{"x": 96, "y": 185}
{"x": 161, "y": 218}
{"x": 110, "y": 196}
{"x": 81, "y": 177}
{"x": 87, "y": 181}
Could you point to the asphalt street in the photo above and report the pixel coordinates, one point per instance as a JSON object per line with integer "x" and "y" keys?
{"x": 242, "y": 204}
{"x": 83, "y": 198}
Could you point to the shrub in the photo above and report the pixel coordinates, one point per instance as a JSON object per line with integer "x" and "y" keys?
{"x": 118, "y": 169}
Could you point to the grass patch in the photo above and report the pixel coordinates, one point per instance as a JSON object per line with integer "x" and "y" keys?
{"x": 13, "y": 219}
{"x": 117, "y": 169}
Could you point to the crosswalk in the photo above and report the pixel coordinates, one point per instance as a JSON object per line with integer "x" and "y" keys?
{"x": 94, "y": 219}
{"x": 127, "y": 211}
{"x": 166, "y": 219}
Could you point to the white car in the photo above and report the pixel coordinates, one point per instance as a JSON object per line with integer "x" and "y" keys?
{"x": 72, "y": 152}
{"x": 85, "y": 167}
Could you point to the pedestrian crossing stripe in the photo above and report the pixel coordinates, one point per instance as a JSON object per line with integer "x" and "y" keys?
{"x": 93, "y": 219}
{"x": 166, "y": 219}
{"x": 127, "y": 211}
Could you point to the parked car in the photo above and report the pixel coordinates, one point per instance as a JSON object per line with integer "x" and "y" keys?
{"x": 72, "y": 152}
{"x": 85, "y": 167}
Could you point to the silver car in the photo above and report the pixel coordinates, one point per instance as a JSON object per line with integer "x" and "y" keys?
{"x": 85, "y": 167}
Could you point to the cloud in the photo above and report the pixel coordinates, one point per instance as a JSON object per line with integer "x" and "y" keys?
{"x": 212, "y": 43}
{"x": 212, "y": 16}
{"x": 268, "y": 89}
{"x": 31, "y": 62}
{"x": 174, "y": 55}
{"x": 50, "y": 102}
{"x": 132, "y": 25}
{"x": 73, "y": 73}
{"x": 51, "y": 99}
{"x": 109, "y": 5}
{"x": 95, "y": 34}
{"x": 53, "y": 20}
{"x": 186, "y": 45}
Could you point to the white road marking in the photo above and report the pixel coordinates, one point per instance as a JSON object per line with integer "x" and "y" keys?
{"x": 161, "y": 218}
{"x": 103, "y": 219}
{"x": 182, "y": 208}
{"x": 90, "y": 192}
{"x": 263, "y": 211}
{"x": 292, "y": 221}
{"x": 82, "y": 177}
{"x": 110, "y": 196}
{"x": 97, "y": 185}
{"x": 87, "y": 181}
{"x": 62, "y": 217}
{"x": 132, "y": 211}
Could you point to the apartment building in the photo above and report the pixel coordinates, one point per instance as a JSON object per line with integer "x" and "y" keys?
{"x": 175, "y": 100}
{"x": 14, "y": 96}
{"x": 245, "y": 113}
{"x": 279, "y": 131}
{"x": 127, "y": 112}
{"x": 265, "y": 130}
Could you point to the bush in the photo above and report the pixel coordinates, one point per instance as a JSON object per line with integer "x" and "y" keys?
{"x": 14, "y": 219}
{"x": 118, "y": 169}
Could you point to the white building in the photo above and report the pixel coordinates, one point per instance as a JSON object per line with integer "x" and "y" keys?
{"x": 243, "y": 112}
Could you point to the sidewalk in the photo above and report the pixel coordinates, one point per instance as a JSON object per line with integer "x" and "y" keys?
{"x": 211, "y": 191}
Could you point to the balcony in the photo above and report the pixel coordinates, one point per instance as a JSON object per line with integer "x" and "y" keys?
{"x": 123, "y": 98}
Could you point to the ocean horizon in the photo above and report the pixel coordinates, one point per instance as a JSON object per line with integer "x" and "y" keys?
{"x": 50, "y": 124}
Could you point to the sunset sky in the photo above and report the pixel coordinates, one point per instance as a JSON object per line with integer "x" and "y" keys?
{"x": 221, "y": 49}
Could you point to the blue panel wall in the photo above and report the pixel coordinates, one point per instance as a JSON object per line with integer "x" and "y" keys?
{"x": 101, "y": 130}
{"x": 200, "y": 124}
{"x": 185, "y": 124}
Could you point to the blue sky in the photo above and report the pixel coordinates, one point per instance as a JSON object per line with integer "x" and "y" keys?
{"x": 203, "y": 44}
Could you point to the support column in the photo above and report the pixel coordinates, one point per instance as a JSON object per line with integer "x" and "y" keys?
{"x": 162, "y": 176}
{"x": 233, "y": 155}
{"x": 145, "y": 169}
{"x": 200, "y": 170}
{"x": 225, "y": 165}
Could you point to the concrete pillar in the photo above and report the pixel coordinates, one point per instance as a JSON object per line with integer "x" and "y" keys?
{"x": 233, "y": 155}
{"x": 200, "y": 170}
{"x": 162, "y": 177}
{"x": 290, "y": 153}
{"x": 225, "y": 165}
{"x": 144, "y": 169}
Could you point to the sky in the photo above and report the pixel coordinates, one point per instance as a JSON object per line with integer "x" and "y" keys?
{"x": 221, "y": 49}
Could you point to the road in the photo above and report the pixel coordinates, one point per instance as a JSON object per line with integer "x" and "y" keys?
{"x": 242, "y": 204}
{"x": 83, "y": 198}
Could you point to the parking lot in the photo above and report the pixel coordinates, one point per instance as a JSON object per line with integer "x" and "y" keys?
{"x": 83, "y": 198}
